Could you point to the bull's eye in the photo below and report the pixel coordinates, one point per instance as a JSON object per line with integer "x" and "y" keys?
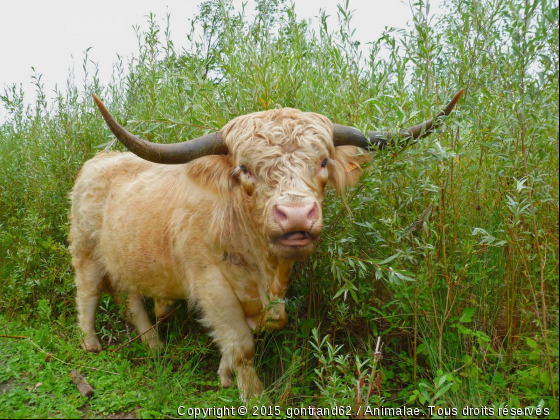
{"x": 324, "y": 163}
{"x": 244, "y": 169}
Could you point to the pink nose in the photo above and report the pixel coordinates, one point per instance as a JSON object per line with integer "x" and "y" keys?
{"x": 296, "y": 217}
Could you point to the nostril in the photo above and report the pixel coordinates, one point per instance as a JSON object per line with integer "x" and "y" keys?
{"x": 278, "y": 214}
{"x": 312, "y": 215}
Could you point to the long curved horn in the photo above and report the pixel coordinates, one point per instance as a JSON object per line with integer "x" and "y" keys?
{"x": 210, "y": 144}
{"x": 350, "y": 136}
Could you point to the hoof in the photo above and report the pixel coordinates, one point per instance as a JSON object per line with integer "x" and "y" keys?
{"x": 247, "y": 392}
{"x": 226, "y": 381}
{"x": 155, "y": 344}
{"x": 92, "y": 344}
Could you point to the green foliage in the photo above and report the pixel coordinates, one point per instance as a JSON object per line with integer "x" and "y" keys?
{"x": 447, "y": 251}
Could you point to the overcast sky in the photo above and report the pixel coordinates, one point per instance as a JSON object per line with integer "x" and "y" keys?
{"x": 52, "y": 35}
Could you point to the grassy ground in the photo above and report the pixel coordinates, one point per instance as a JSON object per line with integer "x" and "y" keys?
{"x": 446, "y": 253}
{"x": 36, "y": 383}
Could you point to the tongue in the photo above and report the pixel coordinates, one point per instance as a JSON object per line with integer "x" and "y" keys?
{"x": 296, "y": 239}
{"x": 295, "y": 236}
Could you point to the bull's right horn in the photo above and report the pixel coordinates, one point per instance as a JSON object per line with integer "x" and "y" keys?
{"x": 210, "y": 144}
{"x": 344, "y": 135}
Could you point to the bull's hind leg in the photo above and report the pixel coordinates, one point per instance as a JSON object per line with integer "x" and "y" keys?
{"x": 224, "y": 314}
{"x": 163, "y": 307}
{"x": 89, "y": 284}
{"x": 136, "y": 314}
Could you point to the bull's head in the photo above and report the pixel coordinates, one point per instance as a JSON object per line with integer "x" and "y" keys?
{"x": 282, "y": 159}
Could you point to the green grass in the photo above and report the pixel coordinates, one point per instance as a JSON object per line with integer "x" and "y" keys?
{"x": 35, "y": 372}
{"x": 447, "y": 251}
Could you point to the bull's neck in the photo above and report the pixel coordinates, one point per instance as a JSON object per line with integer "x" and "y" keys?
{"x": 243, "y": 235}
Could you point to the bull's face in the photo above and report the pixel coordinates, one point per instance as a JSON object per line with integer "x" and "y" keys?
{"x": 281, "y": 159}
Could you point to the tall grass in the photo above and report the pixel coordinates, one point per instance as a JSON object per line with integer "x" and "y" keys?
{"x": 447, "y": 250}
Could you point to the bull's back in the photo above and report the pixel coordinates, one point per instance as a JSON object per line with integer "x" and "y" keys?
{"x": 90, "y": 193}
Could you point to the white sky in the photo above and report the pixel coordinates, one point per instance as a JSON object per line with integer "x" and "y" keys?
{"x": 52, "y": 35}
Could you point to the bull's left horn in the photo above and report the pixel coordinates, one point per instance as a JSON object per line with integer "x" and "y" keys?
{"x": 345, "y": 136}
{"x": 210, "y": 144}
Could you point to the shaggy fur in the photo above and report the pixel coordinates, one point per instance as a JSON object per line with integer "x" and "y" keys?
{"x": 205, "y": 231}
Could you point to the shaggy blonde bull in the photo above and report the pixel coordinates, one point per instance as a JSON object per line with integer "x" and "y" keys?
{"x": 220, "y": 230}
{"x": 205, "y": 231}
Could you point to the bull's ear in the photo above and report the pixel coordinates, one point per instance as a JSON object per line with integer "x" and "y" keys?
{"x": 345, "y": 169}
{"x": 212, "y": 173}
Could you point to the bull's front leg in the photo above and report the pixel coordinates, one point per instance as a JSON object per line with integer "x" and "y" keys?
{"x": 224, "y": 314}
{"x": 274, "y": 315}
